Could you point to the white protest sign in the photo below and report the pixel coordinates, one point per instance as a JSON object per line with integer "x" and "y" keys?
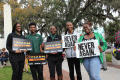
{"x": 69, "y": 40}
{"x": 87, "y": 49}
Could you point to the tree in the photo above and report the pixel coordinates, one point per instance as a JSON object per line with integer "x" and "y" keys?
{"x": 110, "y": 31}
{"x": 58, "y": 12}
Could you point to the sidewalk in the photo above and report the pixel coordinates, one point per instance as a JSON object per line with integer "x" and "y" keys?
{"x": 111, "y": 74}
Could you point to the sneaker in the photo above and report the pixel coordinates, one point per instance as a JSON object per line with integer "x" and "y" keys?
{"x": 104, "y": 69}
{"x": 27, "y": 72}
{"x": 1, "y": 67}
{"x": 5, "y": 64}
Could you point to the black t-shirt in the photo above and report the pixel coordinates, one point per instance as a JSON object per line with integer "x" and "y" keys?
{"x": 88, "y": 39}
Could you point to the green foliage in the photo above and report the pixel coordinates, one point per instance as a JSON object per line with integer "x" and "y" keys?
{"x": 108, "y": 57}
{"x": 58, "y": 12}
{"x": 110, "y": 31}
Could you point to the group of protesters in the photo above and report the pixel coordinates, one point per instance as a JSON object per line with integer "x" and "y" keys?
{"x": 91, "y": 64}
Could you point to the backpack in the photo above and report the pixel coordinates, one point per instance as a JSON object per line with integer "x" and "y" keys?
{"x": 117, "y": 37}
{"x": 116, "y": 53}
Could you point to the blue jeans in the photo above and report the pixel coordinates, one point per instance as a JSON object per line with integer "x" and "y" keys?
{"x": 3, "y": 60}
{"x": 92, "y": 66}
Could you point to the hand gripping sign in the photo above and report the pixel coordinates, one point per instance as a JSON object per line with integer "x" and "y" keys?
{"x": 87, "y": 49}
{"x": 69, "y": 40}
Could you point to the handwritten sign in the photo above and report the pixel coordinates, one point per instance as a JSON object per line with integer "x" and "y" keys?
{"x": 87, "y": 49}
{"x": 69, "y": 40}
{"x": 21, "y": 44}
{"x": 51, "y": 47}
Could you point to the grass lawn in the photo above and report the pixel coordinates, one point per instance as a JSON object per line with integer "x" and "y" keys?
{"x": 108, "y": 57}
{"x": 6, "y": 74}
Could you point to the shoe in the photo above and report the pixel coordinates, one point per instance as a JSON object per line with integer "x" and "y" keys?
{"x": 52, "y": 78}
{"x": 1, "y": 67}
{"x": 23, "y": 71}
{"x": 5, "y": 64}
{"x": 27, "y": 72}
{"x": 104, "y": 69}
{"x": 60, "y": 77}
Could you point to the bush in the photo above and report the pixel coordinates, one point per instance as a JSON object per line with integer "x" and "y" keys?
{"x": 108, "y": 57}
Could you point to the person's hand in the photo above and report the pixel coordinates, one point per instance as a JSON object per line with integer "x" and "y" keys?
{"x": 42, "y": 51}
{"x": 27, "y": 56}
{"x": 74, "y": 47}
{"x": 54, "y": 53}
{"x": 25, "y": 50}
{"x": 42, "y": 45}
{"x": 46, "y": 56}
{"x": 18, "y": 51}
{"x": 61, "y": 41}
{"x": 100, "y": 48}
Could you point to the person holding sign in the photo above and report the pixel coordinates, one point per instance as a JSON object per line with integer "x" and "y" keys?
{"x": 93, "y": 63}
{"x": 16, "y": 57}
{"x": 36, "y": 40}
{"x": 54, "y": 59}
{"x": 71, "y": 57}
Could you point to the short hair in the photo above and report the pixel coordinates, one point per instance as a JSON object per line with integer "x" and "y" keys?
{"x": 89, "y": 23}
{"x": 32, "y": 24}
{"x": 54, "y": 26}
{"x": 3, "y": 49}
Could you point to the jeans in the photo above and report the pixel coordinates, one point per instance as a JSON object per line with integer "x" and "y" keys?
{"x": 3, "y": 60}
{"x": 92, "y": 66}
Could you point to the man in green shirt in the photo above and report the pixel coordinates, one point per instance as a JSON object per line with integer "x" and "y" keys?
{"x": 36, "y": 40}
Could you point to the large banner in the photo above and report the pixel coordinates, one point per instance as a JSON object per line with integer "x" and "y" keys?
{"x": 87, "y": 49}
{"x": 69, "y": 40}
{"x": 21, "y": 44}
{"x": 37, "y": 59}
{"x": 51, "y": 47}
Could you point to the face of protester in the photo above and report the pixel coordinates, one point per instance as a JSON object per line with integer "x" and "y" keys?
{"x": 32, "y": 28}
{"x": 86, "y": 28}
{"x": 18, "y": 28}
{"x": 53, "y": 30}
{"x": 69, "y": 26}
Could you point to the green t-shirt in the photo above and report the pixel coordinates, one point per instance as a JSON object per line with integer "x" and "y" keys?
{"x": 36, "y": 42}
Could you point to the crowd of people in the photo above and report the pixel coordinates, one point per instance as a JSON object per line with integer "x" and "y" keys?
{"x": 19, "y": 57}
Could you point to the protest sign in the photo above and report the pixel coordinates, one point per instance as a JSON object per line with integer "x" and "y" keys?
{"x": 51, "y": 47}
{"x": 69, "y": 40}
{"x": 37, "y": 59}
{"x": 87, "y": 49}
{"x": 21, "y": 44}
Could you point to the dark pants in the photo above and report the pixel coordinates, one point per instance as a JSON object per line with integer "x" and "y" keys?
{"x": 71, "y": 63}
{"x": 52, "y": 65}
{"x": 3, "y": 60}
{"x": 17, "y": 67}
{"x": 35, "y": 69}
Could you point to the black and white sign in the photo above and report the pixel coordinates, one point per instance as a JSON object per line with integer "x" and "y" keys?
{"x": 69, "y": 40}
{"x": 87, "y": 49}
